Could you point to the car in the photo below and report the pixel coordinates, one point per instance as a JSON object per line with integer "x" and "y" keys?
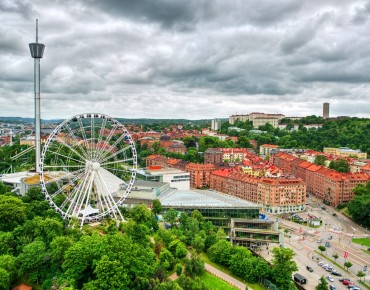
{"x": 347, "y": 282}
{"x": 309, "y": 268}
{"x": 335, "y": 273}
{"x": 332, "y": 287}
{"x": 352, "y": 287}
{"x": 330, "y": 278}
{"x": 334, "y": 214}
{"x": 321, "y": 263}
{"x": 329, "y": 269}
{"x": 319, "y": 241}
{"x": 342, "y": 279}
{"x": 330, "y": 237}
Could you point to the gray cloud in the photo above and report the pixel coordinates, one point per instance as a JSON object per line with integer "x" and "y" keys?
{"x": 186, "y": 59}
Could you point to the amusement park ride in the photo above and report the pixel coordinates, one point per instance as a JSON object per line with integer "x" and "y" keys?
{"x": 87, "y": 166}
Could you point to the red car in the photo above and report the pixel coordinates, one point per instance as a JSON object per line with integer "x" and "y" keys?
{"x": 347, "y": 282}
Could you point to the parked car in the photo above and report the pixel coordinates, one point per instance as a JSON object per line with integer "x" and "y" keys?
{"x": 330, "y": 278}
{"x": 309, "y": 268}
{"x": 332, "y": 287}
{"x": 352, "y": 287}
{"x": 321, "y": 263}
{"x": 342, "y": 279}
{"x": 334, "y": 214}
{"x": 330, "y": 237}
{"x": 319, "y": 241}
{"x": 347, "y": 282}
{"x": 335, "y": 273}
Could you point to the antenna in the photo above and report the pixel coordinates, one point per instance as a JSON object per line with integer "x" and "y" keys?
{"x": 37, "y": 30}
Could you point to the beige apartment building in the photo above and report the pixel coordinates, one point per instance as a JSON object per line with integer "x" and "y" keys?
{"x": 258, "y": 119}
{"x": 345, "y": 152}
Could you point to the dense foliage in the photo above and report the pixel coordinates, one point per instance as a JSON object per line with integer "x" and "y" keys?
{"x": 359, "y": 206}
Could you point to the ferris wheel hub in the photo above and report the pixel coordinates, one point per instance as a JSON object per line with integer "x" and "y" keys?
{"x": 95, "y": 166}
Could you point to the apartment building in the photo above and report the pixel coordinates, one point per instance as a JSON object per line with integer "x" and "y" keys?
{"x": 220, "y": 155}
{"x": 274, "y": 195}
{"x": 200, "y": 174}
{"x": 333, "y": 187}
{"x": 266, "y": 148}
{"x": 345, "y": 152}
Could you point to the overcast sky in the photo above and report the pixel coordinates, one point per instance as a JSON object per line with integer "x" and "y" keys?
{"x": 187, "y": 59}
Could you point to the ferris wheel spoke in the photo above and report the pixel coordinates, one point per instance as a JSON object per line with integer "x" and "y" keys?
{"x": 106, "y": 141}
{"x": 103, "y": 194}
{"x": 62, "y": 155}
{"x": 83, "y": 132}
{"x": 84, "y": 153}
{"x": 117, "y": 161}
{"x": 110, "y": 198}
{"x": 69, "y": 184}
{"x": 100, "y": 137}
{"x": 87, "y": 202}
{"x": 115, "y": 154}
{"x": 92, "y": 135}
{"x": 76, "y": 196}
{"x": 111, "y": 147}
{"x": 74, "y": 150}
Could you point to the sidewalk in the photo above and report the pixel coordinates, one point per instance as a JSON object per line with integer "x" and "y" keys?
{"x": 227, "y": 278}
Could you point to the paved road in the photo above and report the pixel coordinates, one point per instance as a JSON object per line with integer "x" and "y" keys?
{"x": 304, "y": 242}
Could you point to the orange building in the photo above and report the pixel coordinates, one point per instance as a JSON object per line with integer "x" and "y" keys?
{"x": 331, "y": 186}
{"x": 200, "y": 174}
{"x": 274, "y": 195}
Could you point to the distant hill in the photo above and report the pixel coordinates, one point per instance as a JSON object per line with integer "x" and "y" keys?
{"x": 27, "y": 120}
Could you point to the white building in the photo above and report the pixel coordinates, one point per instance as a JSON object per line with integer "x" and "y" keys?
{"x": 176, "y": 178}
{"x": 216, "y": 124}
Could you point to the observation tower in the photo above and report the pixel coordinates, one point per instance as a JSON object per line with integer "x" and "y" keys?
{"x": 37, "y": 51}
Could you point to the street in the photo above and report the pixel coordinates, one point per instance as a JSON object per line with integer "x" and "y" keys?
{"x": 335, "y": 232}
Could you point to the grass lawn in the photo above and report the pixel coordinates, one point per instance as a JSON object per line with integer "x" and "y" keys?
{"x": 214, "y": 283}
{"x": 362, "y": 241}
{"x": 254, "y": 286}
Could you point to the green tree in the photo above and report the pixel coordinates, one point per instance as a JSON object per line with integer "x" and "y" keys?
{"x": 320, "y": 160}
{"x": 109, "y": 275}
{"x": 194, "y": 266}
{"x": 12, "y": 212}
{"x": 167, "y": 260}
{"x": 360, "y": 274}
{"x": 171, "y": 216}
{"x": 198, "y": 243}
{"x": 221, "y": 253}
{"x": 323, "y": 285}
{"x": 31, "y": 260}
{"x": 283, "y": 267}
{"x": 5, "y": 279}
{"x": 157, "y": 206}
{"x": 335, "y": 256}
{"x": 322, "y": 248}
{"x": 347, "y": 264}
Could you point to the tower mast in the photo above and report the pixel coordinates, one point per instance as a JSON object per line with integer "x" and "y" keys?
{"x": 37, "y": 51}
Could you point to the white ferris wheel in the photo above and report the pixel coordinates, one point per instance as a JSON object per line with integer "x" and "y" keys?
{"x": 88, "y": 167}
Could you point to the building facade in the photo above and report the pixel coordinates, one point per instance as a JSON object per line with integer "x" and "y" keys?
{"x": 273, "y": 195}
{"x": 345, "y": 152}
{"x": 333, "y": 187}
{"x": 216, "y": 124}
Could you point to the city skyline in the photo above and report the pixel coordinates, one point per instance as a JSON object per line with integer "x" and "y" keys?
{"x": 185, "y": 59}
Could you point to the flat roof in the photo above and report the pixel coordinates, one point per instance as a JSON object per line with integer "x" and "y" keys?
{"x": 159, "y": 172}
{"x": 14, "y": 178}
{"x": 202, "y": 198}
{"x": 148, "y": 183}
